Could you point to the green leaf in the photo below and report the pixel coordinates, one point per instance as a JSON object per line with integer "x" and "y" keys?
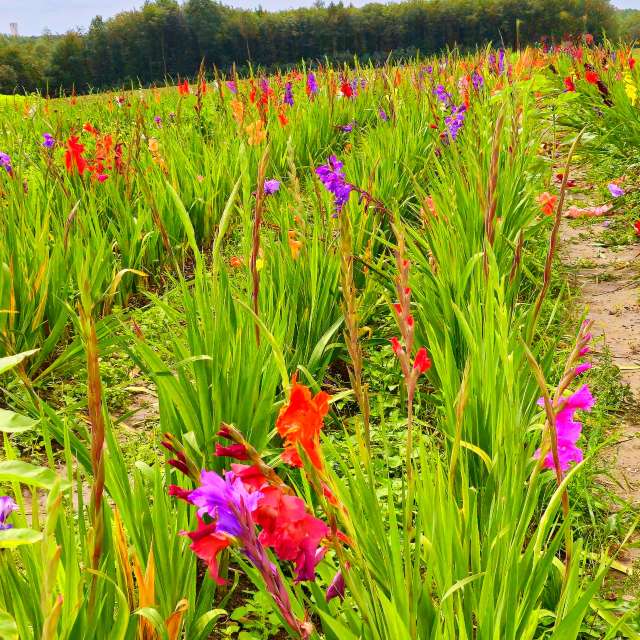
{"x": 12, "y": 361}
{"x": 11, "y": 422}
{"x": 8, "y": 627}
{"x": 11, "y": 538}
{"x": 203, "y": 623}
{"x": 18, "y": 471}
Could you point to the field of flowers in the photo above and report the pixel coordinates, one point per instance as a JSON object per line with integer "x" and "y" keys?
{"x": 337, "y": 291}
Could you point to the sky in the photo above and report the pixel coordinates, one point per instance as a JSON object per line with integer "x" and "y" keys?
{"x": 34, "y": 16}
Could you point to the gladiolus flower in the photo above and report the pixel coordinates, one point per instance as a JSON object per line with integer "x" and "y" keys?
{"x": 237, "y": 451}
{"x": 636, "y": 226}
{"x": 73, "y": 159}
{"x": 422, "y": 362}
{"x": 312, "y": 85}
{"x": 346, "y": 90}
{"x": 294, "y": 245}
{"x": 235, "y": 262}
{"x": 336, "y": 588}
{"x": 569, "y": 84}
{"x": 256, "y": 133}
{"x": 271, "y": 186}
{"x": 615, "y": 190}
{"x": 284, "y": 121}
{"x": 7, "y": 507}
{"x": 5, "y": 162}
{"x": 49, "y": 141}
{"x": 395, "y": 345}
{"x": 207, "y": 544}
{"x": 231, "y": 85}
{"x": 292, "y": 532}
{"x": 632, "y": 63}
{"x": 288, "y": 94}
{"x": 581, "y": 368}
{"x": 547, "y": 203}
{"x": 332, "y": 177}
{"x": 382, "y": 114}
{"x": 300, "y": 422}
{"x": 591, "y": 77}
{"x": 568, "y": 430}
{"x": 183, "y": 88}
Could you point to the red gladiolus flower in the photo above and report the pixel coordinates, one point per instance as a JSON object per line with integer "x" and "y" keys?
{"x": 395, "y": 345}
{"x": 632, "y": 63}
{"x": 73, "y": 159}
{"x": 89, "y": 128}
{"x": 569, "y": 83}
{"x": 207, "y": 544}
{"x": 292, "y": 532}
{"x": 422, "y": 362}
{"x": 284, "y": 121}
{"x": 636, "y": 226}
{"x": 300, "y": 422}
{"x": 346, "y": 90}
{"x": 183, "y": 88}
{"x": 237, "y": 451}
{"x": 251, "y": 477}
{"x": 591, "y": 77}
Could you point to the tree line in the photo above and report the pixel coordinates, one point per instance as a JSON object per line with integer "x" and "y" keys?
{"x": 167, "y": 39}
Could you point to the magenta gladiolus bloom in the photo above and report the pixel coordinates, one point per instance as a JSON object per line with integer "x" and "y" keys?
{"x": 7, "y": 507}
{"x": 568, "y": 429}
{"x": 581, "y": 368}
{"x": 231, "y": 85}
{"x": 336, "y": 588}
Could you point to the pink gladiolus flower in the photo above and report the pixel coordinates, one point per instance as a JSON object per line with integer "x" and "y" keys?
{"x": 581, "y": 368}
{"x": 568, "y": 430}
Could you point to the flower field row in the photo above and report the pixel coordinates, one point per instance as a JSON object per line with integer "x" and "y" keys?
{"x": 341, "y": 286}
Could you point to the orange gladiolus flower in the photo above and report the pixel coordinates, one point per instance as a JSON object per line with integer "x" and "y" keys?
{"x": 237, "y": 109}
{"x": 235, "y": 262}
{"x": 294, "y": 245}
{"x": 300, "y": 422}
{"x": 284, "y": 121}
{"x": 183, "y": 88}
{"x": 256, "y": 132}
{"x": 547, "y": 203}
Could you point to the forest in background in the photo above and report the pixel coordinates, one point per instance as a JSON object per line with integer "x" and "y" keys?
{"x": 169, "y": 39}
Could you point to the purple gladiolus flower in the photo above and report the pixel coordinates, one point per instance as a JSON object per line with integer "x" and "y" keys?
{"x": 264, "y": 85}
{"x": 49, "y": 140}
{"x": 271, "y": 186}
{"x": 7, "y": 507}
{"x": 568, "y": 430}
{"x": 332, "y": 177}
{"x": 5, "y": 162}
{"x": 347, "y": 128}
{"x": 231, "y": 85}
{"x": 455, "y": 121}
{"x": 492, "y": 60}
{"x": 383, "y": 114}
{"x": 225, "y": 500}
{"x": 501, "y": 61}
{"x": 441, "y": 94}
{"x": 158, "y": 121}
{"x": 312, "y": 85}
{"x": 288, "y": 94}
{"x": 477, "y": 80}
{"x": 615, "y": 190}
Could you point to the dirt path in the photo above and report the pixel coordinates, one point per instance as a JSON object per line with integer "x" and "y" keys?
{"x": 608, "y": 280}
